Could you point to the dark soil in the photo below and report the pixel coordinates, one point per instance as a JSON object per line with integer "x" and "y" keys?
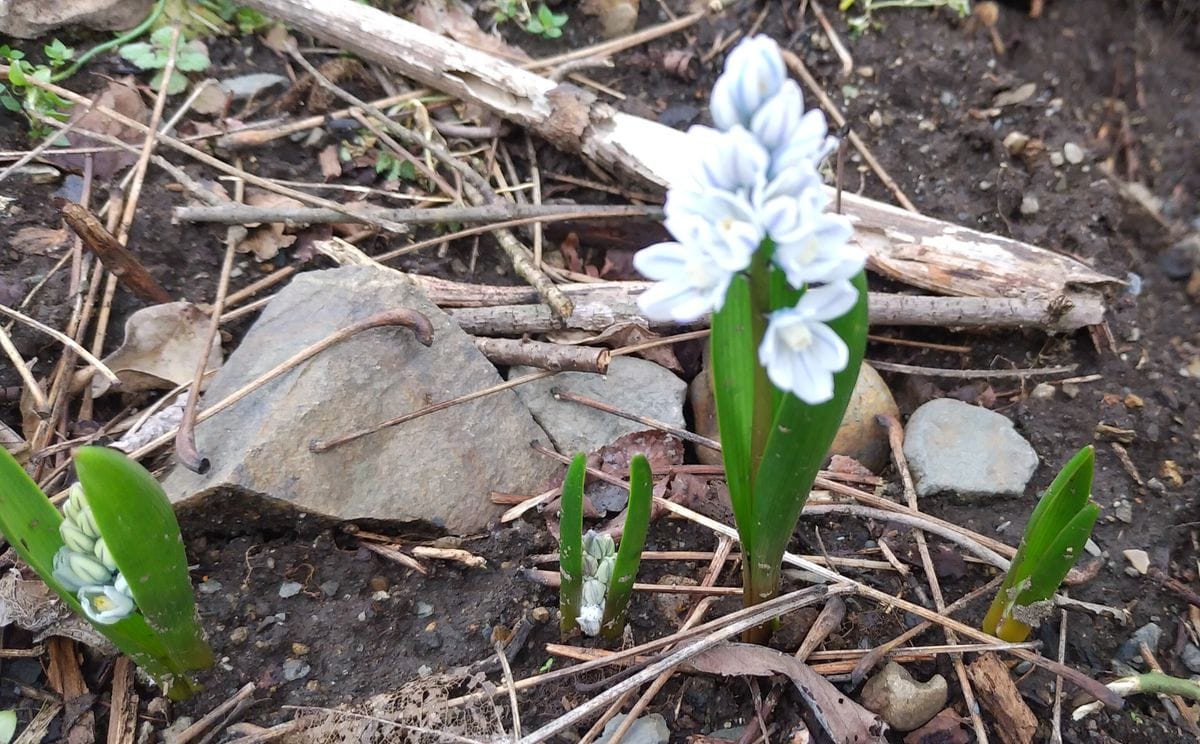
{"x": 361, "y": 625}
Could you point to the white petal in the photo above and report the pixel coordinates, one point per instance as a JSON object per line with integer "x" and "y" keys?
{"x": 829, "y": 301}
{"x": 776, "y": 122}
{"x": 828, "y": 349}
{"x": 661, "y": 260}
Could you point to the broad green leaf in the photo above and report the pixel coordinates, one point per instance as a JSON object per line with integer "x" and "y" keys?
{"x": 8, "y": 725}
{"x": 192, "y": 57}
{"x": 1060, "y": 555}
{"x": 30, "y": 524}
{"x": 629, "y": 554}
{"x": 141, "y": 531}
{"x": 1069, "y": 492}
{"x": 16, "y": 75}
{"x": 799, "y": 439}
{"x": 570, "y": 543}
{"x": 161, "y": 37}
{"x": 177, "y": 85}
{"x": 734, "y": 362}
{"x": 142, "y": 55}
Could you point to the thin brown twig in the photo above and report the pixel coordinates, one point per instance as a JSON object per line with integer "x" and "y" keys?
{"x": 797, "y": 66}
{"x": 41, "y": 405}
{"x": 684, "y": 434}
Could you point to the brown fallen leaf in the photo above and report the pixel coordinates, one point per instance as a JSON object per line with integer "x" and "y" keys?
{"x": 265, "y": 241}
{"x": 826, "y": 707}
{"x": 455, "y": 19}
{"x": 945, "y": 728}
{"x": 161, "y": 348}
{"x": 41, "y": 241}
{"x": 122, "y": 98}
{"x": 331, "y": 164}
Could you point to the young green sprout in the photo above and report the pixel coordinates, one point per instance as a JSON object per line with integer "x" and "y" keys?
{"x": 596, "y": 576}
{"x": 115, "y": 556}
{"x": 755, "y": 247}
{"x": 1058, "y": 529}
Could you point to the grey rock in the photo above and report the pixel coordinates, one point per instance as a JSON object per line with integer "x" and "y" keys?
{"x": 651, "y": 729}
{"x": 1182, "y": 258}
{"x": 437, "y": 469}
{"x": 1191, "y": 658}
{"x": 29, "y": 19}
{"x": 294, "y": 669}
{"x": 903, "y": 702}
{"x": 955, "y": 446}
{"x": 1030, "y": 205}
{"x": 289, "y": 589}
{"x": 633, "y": 385}
{"x": 1072, "y": 153}
{"x": 1149, "y": 634}
{"x": 245, "y": 86}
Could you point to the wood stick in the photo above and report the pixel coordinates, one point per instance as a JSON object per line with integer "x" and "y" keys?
{"x": 240, "y": 214}
{"x": 543, "y": 355}
{"x": 115, "y": 257}
{"x": 599, "y": 306}
{"x": 914, "y": 249}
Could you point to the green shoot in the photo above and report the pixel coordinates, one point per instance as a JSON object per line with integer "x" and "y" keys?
{"x": 117, "y": 560}
{"x": 546, "y": 23}
{"x": 570, "y": 544}
{"x": 1059, "y": 527}
{"x": 860, "y": 23}
{"x": 629, "y": 555}
{"x": 190, "y": 56}
{"x": 595, "y": 578}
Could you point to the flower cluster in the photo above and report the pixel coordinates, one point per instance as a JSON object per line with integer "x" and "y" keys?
{"x": 599, "y": 555}
{"x": 85, "y": 566}
{"x": 755, "y": 187}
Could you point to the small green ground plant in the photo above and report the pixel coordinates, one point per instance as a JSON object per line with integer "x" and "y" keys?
{"x": 115, "y": 556}
{"x": 190, "y": 56}
{"x": 597, "y": 577}
{"x": 861, "y": 22}
{"x": 541, "y": 22}
{"x": 1058, "y": 529}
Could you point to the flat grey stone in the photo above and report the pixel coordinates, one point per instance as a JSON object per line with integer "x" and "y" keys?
{"x": 29, "y": 19}
{"x": 632, "y": 385}
{"x": 955, "y": 446}
{"x": 438, "y": 468}
{"x": 1191, "y": 658}
{"x": 651, "y": 729}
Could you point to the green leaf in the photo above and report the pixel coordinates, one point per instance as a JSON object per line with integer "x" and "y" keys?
{"x": 139, "y": 526}
{"x": 629, "y": 554}
{"x": 161, "y": 37}
{"x": 16, "y": 75}
{"x": 142, "y": 55}
{"x": 30, "y": 524}
{"x": 734, "y": 354}
{"x": 8, "y": 725}
{"x": 178, "y": 83}
{"x": 192, "y": 57}
{"x": 796, "y": 447}
{"x": 1065, "y": 496}
{"x": 570, "y": 543}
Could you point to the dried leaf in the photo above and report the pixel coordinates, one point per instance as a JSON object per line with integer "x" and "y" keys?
{"x": 211, "y": 99}
{"x": 331, "y": 165}
{"x": 842, "y": 719}
{"x": 40, "y": 241}
{"x": 154, "y": 427}
{"x": 629, "y": 334}
{"x": 660, "y": 448}
{"x": 454, "y": 19}
{"x": 265, "y": 241}
{"x": 162, "y": 346}
{"x": 945, "y": 728}
{"x": 617, "y": 17}
{"x": 123, "y": 99}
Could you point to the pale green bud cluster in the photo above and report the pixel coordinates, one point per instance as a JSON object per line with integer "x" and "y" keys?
{"x": 599, "y": 556}
{"x": 85, "y": 565}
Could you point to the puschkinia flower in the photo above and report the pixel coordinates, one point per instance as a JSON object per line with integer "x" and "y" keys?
{"x": 754, "y": 185}
{"x": 799, "y": 351}
{"x": 105, "y": 604}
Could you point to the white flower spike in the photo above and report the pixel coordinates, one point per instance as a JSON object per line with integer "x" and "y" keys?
{"x": 800, "y": 353}
{"x": 105, "y": 604}
{"x": 753, "y": 73}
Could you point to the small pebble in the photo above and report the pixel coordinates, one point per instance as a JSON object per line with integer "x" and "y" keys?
{"x": 1139, "y": 559}
{"x": 424, "y": 609}
{"x": 294, "y": 669}
{"x": 289, "y": 589}
{"x": 1030, "y": 205}
{"x": 1072, "y": 153}
{"x": 299, "y": 649}
{"x": 1191, "y": 658}
{"x": 1042, "y": 391}
{"x": 378, "y": 584}
{"x": 1056, "y": 159}
{"x": 330, "y": 588}
{"x": 1092, "y": 548}
{"x": 540, "y": 614}
{"x": 1070, "y": 389}
{"x": 1015, "y": 142}
{"x": 875, "y": 119}
{"x": 1123, "y": 510}
{"x": 209, "y": 587}
{"x": 239, "y": 634}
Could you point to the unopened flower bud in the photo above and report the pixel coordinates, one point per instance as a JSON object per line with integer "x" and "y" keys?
{"x": 122, "y": 586}
{"x": 74, "y": 537}
{"x": 593, "y": 592}
{"x": 605, "y": 569}
{"x": 589, "y": 620}
{"x": 599, "y": 546}
{"x": 590, "y": 564}
{"x": 62, "y": 570}
{"x": 103, "y": 555}
{"x": 89, "y": 569}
